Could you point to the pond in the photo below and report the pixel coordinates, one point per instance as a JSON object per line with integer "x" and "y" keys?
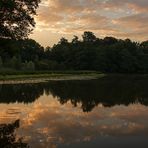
{"x": 110, "y": 112}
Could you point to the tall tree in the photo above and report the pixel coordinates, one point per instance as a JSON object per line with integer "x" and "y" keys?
{"x": 89, "y": 36}
{"x": 75, "y": 39}
{"x": 63, "y": 41}
{"x": 16, "y": 18}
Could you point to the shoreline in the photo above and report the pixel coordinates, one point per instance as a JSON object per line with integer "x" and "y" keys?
{"x": 39, "y": 78}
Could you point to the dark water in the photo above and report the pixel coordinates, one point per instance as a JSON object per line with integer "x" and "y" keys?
{"x": 111, "y": 112}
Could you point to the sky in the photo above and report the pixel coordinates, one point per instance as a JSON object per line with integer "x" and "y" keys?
{"x": 65, "y": 18}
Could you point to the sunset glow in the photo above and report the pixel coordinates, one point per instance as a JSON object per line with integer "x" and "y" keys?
{"x": 121, "y": 19}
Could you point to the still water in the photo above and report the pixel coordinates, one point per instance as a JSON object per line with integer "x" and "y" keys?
{"x": 110, "y": 112}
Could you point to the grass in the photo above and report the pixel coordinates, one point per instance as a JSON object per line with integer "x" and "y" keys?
{"x": 21, "y": 75}
{"x": 15, "y": 72}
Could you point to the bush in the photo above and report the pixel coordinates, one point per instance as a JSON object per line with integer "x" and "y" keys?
{"x": 1, "y": 63}
{"x": 28, "y": 66}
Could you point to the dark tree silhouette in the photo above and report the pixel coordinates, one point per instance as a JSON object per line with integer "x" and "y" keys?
{"x": 89, "y": 36}
{"x": 63, "y": 41}
{"x": 16, "y": 17}
{"x": 109, "y": 55}
{"x": 8, "y": 138}
{"x": 75, "y": 39}
{"x": 109, "y": 91}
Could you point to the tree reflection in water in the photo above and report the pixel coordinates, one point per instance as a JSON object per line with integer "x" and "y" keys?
{"x": 8, "y": 138}
{"x": 108, "y": 91}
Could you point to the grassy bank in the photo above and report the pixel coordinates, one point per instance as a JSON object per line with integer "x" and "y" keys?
{"x": 15, "y": 72}
{"x": 22, "y": 75}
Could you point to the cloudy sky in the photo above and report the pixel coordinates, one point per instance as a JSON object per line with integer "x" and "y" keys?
{"x": 65, "y": 18}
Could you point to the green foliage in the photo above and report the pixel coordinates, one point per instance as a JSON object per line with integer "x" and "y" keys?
{"x": 16, "y": 18}
{"x": 109, "y": 55}
{"x": 13, "y": 62}
{"x": 47, "y": 65}
{"x": 1, "y": 63}
{"x": 75, "y": 40}
{"x": 28, "y": 66}
{"x": 89, "y": 36}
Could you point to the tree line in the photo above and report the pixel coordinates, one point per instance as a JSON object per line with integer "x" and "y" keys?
{"x": 110, "y": 54}
{"x": 17, "y": 52}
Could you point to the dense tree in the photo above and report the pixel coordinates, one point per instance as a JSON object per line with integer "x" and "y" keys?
{"x": 110, "y": 40}
{"x": 89, "y": 36}
{"x": 1, "y": 63}
{"x": 30, "y": 66}
{"x": 75, "y": 39}
{"x": 30, "y": 50}
{"x": 109, "y": 55}
{"x": 16, "y": 17}
{"x": 63, "y": 41}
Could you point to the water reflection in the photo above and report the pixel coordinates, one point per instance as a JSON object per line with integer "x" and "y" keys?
{"x": 108, "y": 112}
{"x": 8, "y": 138}
{"x": 24, "y": 93}
{"x": 108, "y": 91}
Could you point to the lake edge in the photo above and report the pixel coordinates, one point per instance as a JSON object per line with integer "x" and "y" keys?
{"x": 20, "y": 79}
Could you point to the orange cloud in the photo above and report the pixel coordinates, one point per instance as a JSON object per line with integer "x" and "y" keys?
{"x": 128, "y": 18}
